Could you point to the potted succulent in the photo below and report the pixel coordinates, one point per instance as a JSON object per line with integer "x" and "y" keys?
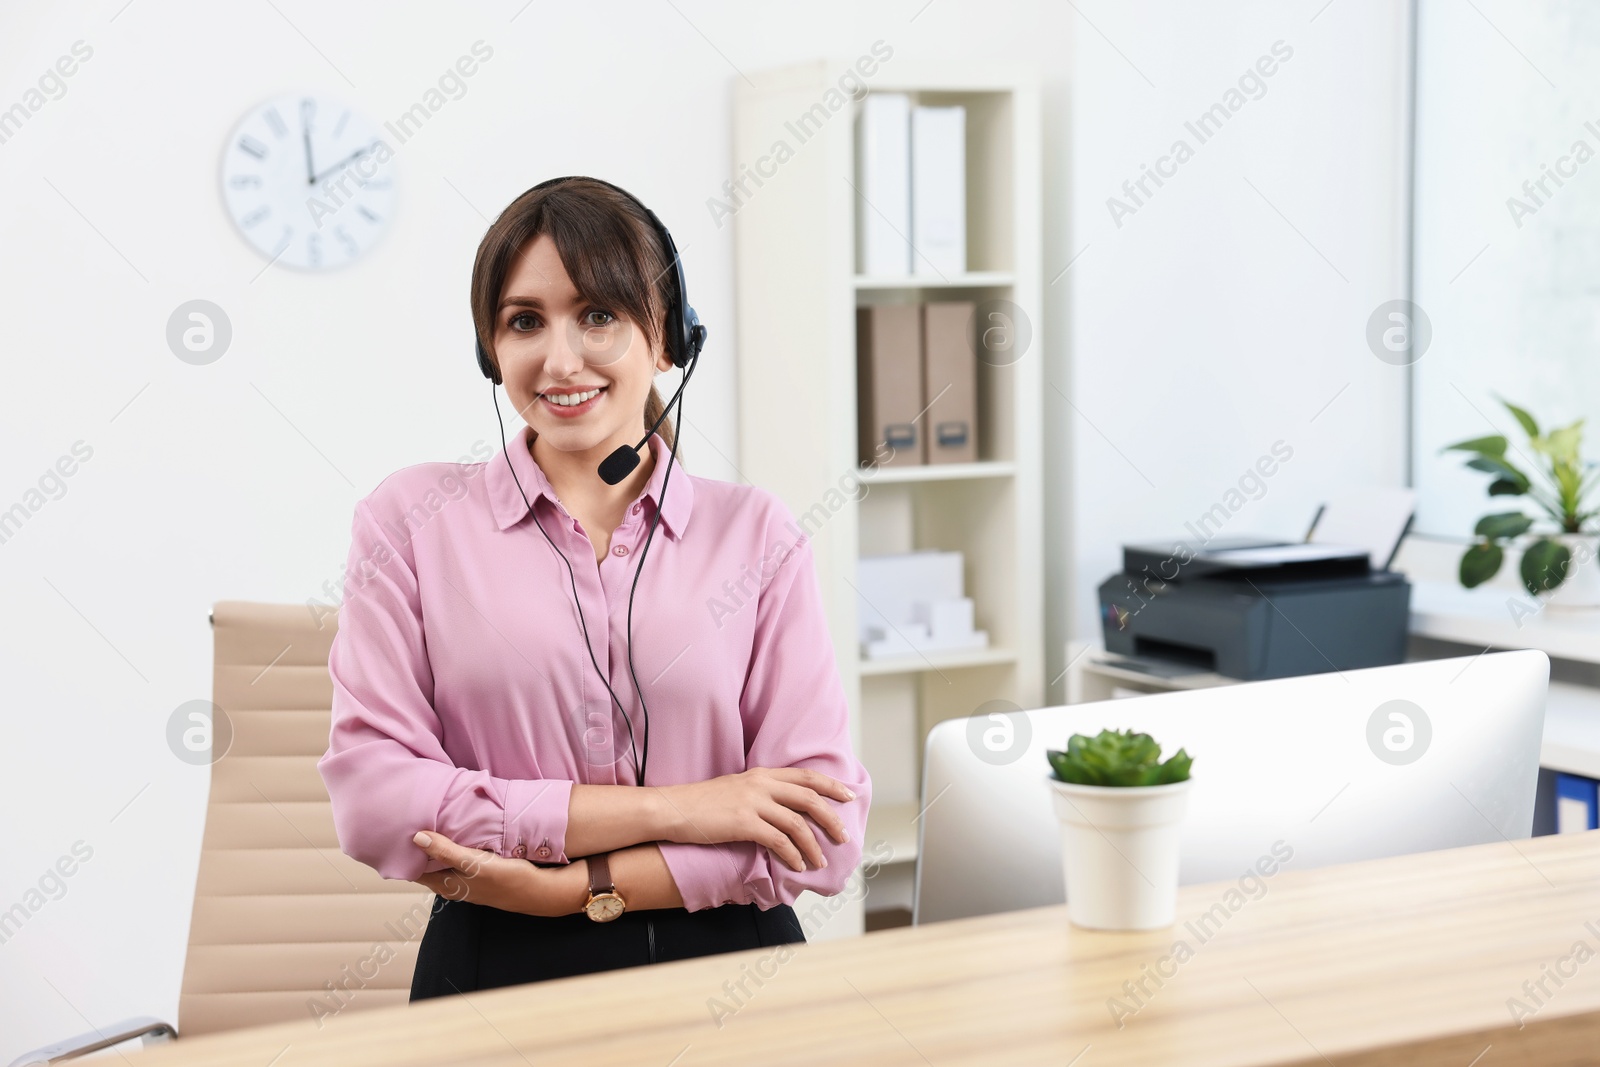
{"x": 1120, "y": 807}
{"x": 1561, "y": 558}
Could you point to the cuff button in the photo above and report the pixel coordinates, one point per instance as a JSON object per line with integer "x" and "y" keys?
{"x": 521, "y": 851}
{"x": 544, "y": 852}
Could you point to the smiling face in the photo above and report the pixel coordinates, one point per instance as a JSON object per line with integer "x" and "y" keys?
{"x": 555, "y": 350}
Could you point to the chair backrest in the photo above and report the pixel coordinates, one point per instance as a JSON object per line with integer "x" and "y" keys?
{"x": 285, "y": 925}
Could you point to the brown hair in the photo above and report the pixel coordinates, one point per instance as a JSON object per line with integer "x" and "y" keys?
{"x": 613, "y": 254}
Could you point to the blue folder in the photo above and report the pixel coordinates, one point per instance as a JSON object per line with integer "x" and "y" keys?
{"x": 1577, "y": 804}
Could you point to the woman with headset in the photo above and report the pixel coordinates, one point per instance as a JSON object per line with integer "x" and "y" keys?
{"x": 496, "y": 702}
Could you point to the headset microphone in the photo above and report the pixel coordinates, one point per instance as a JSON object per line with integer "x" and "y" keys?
{"x": 622, "y": 462}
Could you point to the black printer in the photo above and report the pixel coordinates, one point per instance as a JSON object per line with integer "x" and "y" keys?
{"x": 1253, "y": 608}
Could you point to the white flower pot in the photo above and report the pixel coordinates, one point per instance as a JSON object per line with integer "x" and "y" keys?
{"x": 1119, "y": 852}
{"x": 1581, "y": 587}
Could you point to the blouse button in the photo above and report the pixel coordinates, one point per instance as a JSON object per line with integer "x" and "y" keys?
{"x": 619, "y": 550}
{"x": 544, "y": 852}
{"x": 638, "y": 508}
{"x": 521, "y": 851}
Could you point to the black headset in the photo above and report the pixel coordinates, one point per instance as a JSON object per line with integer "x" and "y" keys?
{"x": 684, "y": 339}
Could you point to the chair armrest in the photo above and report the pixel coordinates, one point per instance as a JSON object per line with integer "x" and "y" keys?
{"x": 153, "y": 1030}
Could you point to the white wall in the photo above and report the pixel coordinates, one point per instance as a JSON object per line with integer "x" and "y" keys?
{"x": 1228, "y": 311}
{"x": 1192, "y": 337}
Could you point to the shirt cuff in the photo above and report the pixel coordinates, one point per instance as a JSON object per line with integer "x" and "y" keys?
{"x": 708, "y": 876}
{"x": 536, "y": 819}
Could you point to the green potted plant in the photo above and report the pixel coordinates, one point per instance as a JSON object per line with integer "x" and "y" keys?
{"x": 1119, "y": 806}
{"x": 1560, "y": 488}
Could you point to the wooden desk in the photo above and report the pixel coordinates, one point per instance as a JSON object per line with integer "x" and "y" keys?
{"x": 1404, "y": 960}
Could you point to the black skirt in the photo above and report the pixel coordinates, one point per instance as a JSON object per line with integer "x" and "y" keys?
{"x": 469, "y": 946}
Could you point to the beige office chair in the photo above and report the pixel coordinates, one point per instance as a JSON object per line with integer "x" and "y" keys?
{"x": 285, "y": 926}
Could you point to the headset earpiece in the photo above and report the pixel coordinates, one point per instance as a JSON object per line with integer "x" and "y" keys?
{"x": 696, "y": 335}
{"x": 485, "y": 364}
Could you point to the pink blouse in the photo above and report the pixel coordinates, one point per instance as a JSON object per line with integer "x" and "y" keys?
{"x": 465, "y": 700}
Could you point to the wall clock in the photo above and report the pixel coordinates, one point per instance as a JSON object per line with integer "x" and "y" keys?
{"x": 307, "y": 181}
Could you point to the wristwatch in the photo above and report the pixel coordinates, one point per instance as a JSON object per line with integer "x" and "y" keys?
{"x": 604, "y": 903}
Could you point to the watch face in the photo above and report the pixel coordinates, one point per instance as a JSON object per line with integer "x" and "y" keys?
{"x": 605, "y": 907}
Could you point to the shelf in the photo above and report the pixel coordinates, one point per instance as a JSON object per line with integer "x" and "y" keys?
{"x": 942, "y": 472}
{"x": 898, "y": 826}
{"x": 1572, "y": 730}
{"x": 1481, "y": 617}
{"x": 942, "y": 661}
{"x": 978, "y": 279}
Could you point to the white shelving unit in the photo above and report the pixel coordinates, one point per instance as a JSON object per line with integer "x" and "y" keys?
{"x": 797, "y": 293}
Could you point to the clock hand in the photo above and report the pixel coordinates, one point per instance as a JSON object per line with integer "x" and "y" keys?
{"x": 306, "y": 131}
{"x": 357, "y": 154}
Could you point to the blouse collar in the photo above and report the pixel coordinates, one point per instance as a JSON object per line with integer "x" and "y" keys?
{"x": 509, "y": 508}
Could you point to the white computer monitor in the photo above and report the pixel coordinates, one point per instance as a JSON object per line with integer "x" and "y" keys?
{"x": 1303, "y": 760}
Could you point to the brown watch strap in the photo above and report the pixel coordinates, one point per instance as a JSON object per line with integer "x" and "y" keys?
{"x": 599, "y": 875}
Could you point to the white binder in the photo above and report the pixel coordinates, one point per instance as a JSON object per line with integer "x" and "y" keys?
{"x": 939, "y": 190}
{"x": 883, "y": 178}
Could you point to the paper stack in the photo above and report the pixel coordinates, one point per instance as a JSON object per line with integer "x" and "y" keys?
{"x": 910, "y": 603}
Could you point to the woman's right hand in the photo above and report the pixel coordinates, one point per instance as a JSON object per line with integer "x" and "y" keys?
{"x": 766, "y": 805}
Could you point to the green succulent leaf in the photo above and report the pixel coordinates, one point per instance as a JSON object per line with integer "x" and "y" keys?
{"x": 1069, "y": 770}
{"x": 1117, "y": 758}
{"x": 1176, "y": 769}
{"x": 1503, "y": 524}
{"x": 1480, "y": 563}
{"x": 1544, "y": 565}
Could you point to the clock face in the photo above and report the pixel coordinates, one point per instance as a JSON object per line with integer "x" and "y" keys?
{"x": 308, "y": 181}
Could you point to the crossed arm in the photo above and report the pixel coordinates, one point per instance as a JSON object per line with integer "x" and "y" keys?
{"x": 629, "y": 823}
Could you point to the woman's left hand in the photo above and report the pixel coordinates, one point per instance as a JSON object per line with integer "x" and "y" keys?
{"x": 483, "y": 877}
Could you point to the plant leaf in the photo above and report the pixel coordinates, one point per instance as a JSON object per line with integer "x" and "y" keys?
{"x": 1500, "y": 468}
{"x": 1493, "y": 445}
{"x": 1480, "y": 563}
{"x": 1506, "y": 487}
{"x": 1175, "y": 769}
{"x": 1068, "y": 769}
{"x": 1544, "y": 565}
{"x": 1503, "y": 524}
{"x": 1562, "y": 444}
{"x": 1529, "y": 427}
{"x": 1141, "y": 748}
